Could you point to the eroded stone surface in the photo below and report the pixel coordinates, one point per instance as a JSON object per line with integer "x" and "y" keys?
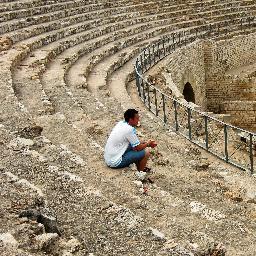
{"x": 52, "y": 137}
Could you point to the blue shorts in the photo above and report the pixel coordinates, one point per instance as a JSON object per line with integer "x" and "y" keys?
{"x": 131, "y": 156}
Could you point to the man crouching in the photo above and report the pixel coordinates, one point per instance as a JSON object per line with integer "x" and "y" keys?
{"x": 123, "y": 146}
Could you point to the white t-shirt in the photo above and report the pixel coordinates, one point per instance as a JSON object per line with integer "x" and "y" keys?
{"x": 119, "y": 139}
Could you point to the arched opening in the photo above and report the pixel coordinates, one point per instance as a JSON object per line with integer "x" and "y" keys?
{"x": 188, "y": 93}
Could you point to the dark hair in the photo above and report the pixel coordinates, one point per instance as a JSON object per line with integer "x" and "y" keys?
{"x": 130, "y": 113}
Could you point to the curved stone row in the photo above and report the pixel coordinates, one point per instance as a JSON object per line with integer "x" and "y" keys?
{"x": 53, "y": 51}
{"x": 59, "y": 179}
{"x": 31, "y": 12}
{"x": 86, "y": 10}
{"x": 71, "y": 12}
{"x": 24, "y": 53}
{"x": 65, "y": 22}
{"x": 52, "y": 55}
{"x": 70, "y": 157}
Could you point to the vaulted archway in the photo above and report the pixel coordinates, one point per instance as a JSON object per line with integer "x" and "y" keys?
{"x": 188, "y": 93}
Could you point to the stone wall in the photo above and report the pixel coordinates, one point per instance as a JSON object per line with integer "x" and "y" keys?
{"x": 186, "y": 64}
{"x": 226, "y": 55}
{"x": 217, "y": 72}
{"x": 243, "y": 113}
{"x": 229, "y": 89}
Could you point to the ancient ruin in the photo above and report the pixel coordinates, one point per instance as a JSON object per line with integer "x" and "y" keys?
{"x": 67, "y": 75}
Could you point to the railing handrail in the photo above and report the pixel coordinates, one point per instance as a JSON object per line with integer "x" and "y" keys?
{"x": 163, "y": 47}
{"x": 198, "y": 111}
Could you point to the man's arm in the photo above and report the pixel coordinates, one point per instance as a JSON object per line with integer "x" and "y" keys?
{"x": 143, "y": 145}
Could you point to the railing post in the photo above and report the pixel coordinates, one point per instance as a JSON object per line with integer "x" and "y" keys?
{"x": 141, "y": 64}
{"x": 176, "y": 115}
{"x": 137, "y": 77}
{"x": 163, "y": 99}
{"x": 206, "y": 132}
{"x": 148, "y": 94}
{"x": 159, "y": 50}
{"x": 156, "y": 101}
{"x": 154, "y": 55}
{"x": 169, "y": 49}
{"x": 189, "y": 123}
{"x": 251, "y": 154}
{"x": 226, "y": 142}
{"x": 194, "y": 37}
{"x": 144, "y": 59}
{"x": 143, "y": 90}
{"x": 149, "y": 56}
{"x": 173, "y": 41}
{"x": 164, "y": 46}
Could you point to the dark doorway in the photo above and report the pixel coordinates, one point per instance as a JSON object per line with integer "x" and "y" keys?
{"x": 188, "y": 93}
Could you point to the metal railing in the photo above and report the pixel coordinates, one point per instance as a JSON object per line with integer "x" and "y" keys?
{"x": 232, "y": 144}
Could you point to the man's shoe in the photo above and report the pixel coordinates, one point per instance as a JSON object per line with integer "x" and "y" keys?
{"x": 150, "y": 180}
{"x": 147, "y": 170}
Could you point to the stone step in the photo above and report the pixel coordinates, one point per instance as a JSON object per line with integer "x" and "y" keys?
{"x": 43, "y": 96}
{"x": 96, "y": 79}
{"x": 214, "y": 4}
{"x": 38, "y": 63}
{"x": 56, "y": 7}
{"x": 237, "y": 32}
{"x": 59, "y": 15}
{"x": 99, "y": 75}
{"x": 194, "y": 207}
{"x": 50, "y": 37}
{"x": 74, "y": 203}
{"x": 158, "y": 198}
{"x": 60, "y": 138}
{"x": 45, "y": 61}
{"x": 13, "y": 113}
{"x": 231, "y": 16}
{"x": 34, "y": 30}
{"x": 16, "y": 5}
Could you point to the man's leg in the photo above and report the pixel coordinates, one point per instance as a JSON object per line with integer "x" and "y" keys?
{"x": 138, "y": 157}
{"x": 143, "y": 162}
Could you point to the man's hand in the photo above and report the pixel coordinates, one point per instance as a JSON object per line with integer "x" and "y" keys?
{"x": 143, "y": 145}
{"x": 152, "y": 143}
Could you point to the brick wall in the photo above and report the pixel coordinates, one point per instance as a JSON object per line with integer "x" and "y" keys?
{"x": 227, "y": 55}
{"x": 187, "y": 65}
{"x": 243, "y": 113}
{"x": 228, "y": 88}
{"x": 206, "y": 65}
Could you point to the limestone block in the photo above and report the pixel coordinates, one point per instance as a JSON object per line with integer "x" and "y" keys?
{"x": 19, "y": 143}
{"x": 8, "y": 240}
{"x": 46, "y": 241}
{"x": 157, "y": 234}
{"x": 5, "y": 43}
{"x": 72, "y": 245}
